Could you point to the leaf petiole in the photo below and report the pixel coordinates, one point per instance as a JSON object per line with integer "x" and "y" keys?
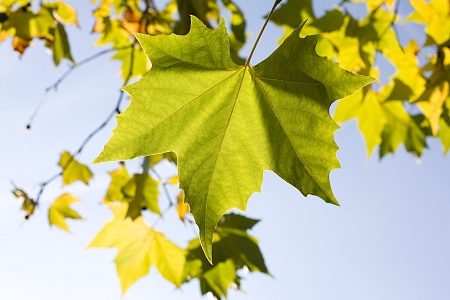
{"x": 247, "y": 63}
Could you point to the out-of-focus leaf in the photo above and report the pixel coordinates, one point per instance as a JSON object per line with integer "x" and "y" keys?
{"x": 140, "y": 191}
{"x": 444, "y": 126}
{"x": 233, "y": 249}
{"x": 384, "y": 123}
{"x": 67, "y": 13}
{"x": 140, "y": 247}
{"x": 73, "y": 170}
{"x": 221, "y": 277}
{"x": 182, "y": 208}
{"x": 60, "y": 46}
{"x": 28, "y": 205}
{"x": 435, "y": 15}
{"x": 140, "y": 66}
{"x": 60, "y": 210}
{"x": 433, "y": 108}
{"x": 119, "y": 179}
{"x": 20, "y": 44}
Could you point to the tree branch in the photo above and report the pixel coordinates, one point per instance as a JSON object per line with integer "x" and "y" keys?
{"x": 54, "y": 86}
{"x": 113, "y": 113}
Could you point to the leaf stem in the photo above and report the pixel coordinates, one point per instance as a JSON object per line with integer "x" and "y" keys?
{"x": 247, "y": 63}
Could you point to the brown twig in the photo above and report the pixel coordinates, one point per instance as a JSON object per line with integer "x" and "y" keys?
{"x": 113, "y": 113}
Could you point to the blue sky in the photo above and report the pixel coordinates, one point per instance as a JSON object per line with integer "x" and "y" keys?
{"x": 389, "y": 239}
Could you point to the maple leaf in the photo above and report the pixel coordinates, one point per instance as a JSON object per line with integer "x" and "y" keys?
{"x": 384, "y": 123}
{"x": 228, "y": 123}
{"x": 435, "y": 15}
{"x": 73, "y": 170}
{"x": 139, "y": 247}
{"x": 60, "y": 210}
{"x": 139, "y": 191}
{"x": 234, "y": 249}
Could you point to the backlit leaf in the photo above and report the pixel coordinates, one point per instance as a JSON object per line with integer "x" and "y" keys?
{"x": 435, "y": 15}
{"x": 73, "y": 170}
{"x": 182, "y": 208}
{"x": 67, "y": 13}
{"x": 140, "y": 247}
{"x": 229, "y": 123}
{"x": 234, "y": 249}
{"x": 140, "y": 191}
{"x": 60, "y": 210}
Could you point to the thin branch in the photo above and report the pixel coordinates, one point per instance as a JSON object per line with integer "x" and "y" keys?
{"x": 165, "y": 183}
{"x": 56, "y": 84}
{"x": 162, "y": 215}
{"x": 114, "y": 112}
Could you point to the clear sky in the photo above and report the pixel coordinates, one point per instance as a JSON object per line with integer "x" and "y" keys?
{"x": 390, "y": 239}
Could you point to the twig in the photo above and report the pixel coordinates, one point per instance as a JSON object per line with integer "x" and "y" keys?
{"x": 71, "y": 68}
{"x": 162, "y": 215}
{"x": 165, "y": 183}
{"x": 114, "y": 112}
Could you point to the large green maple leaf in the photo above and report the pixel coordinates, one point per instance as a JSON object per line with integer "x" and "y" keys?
{"x": 228, "y": 123}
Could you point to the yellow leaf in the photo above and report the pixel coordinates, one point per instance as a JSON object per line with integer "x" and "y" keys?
{"x": 73, "y": 170}
{"x": 173, "y": 180}
{"x": 140, "y": 247}
{"x": 20, "y": 44}
{"x": 432, "y": 108}
{"x": 119, "y": 179}
{"x": 435, "y": 15}
{"x": 67, "y": 13}
{"x": 182, "y": 208}
{"x": 60, "y": 210}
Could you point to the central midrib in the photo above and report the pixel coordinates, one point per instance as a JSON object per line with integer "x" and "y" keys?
{"x": 221, "y": 143}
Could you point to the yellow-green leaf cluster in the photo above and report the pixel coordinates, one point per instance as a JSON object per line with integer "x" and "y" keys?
{"x": 140, "y": 191}
{"x": 234, "y": 249}
{"x": 20, "y": 23}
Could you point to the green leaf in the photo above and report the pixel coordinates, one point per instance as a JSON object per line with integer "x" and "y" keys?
{"x": 60, "y": 210}
{"x": 237, "y": 221}
{"x": 229, "y": 123}
{"x": 60, "y": 46}
{"x": 119, "y": 179}
{"x": 140, "y": 65}
{"x": 188, "y": 8}
{"x": 73, "y": 170}
{"x": 220, "y": 277}
{"x": 140, "y": 191}
{"x": 234, "y": 249}
{"x": 369, "y": 112}
{"x": 140, "y": 247}
{"x": 444, "y": 126}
